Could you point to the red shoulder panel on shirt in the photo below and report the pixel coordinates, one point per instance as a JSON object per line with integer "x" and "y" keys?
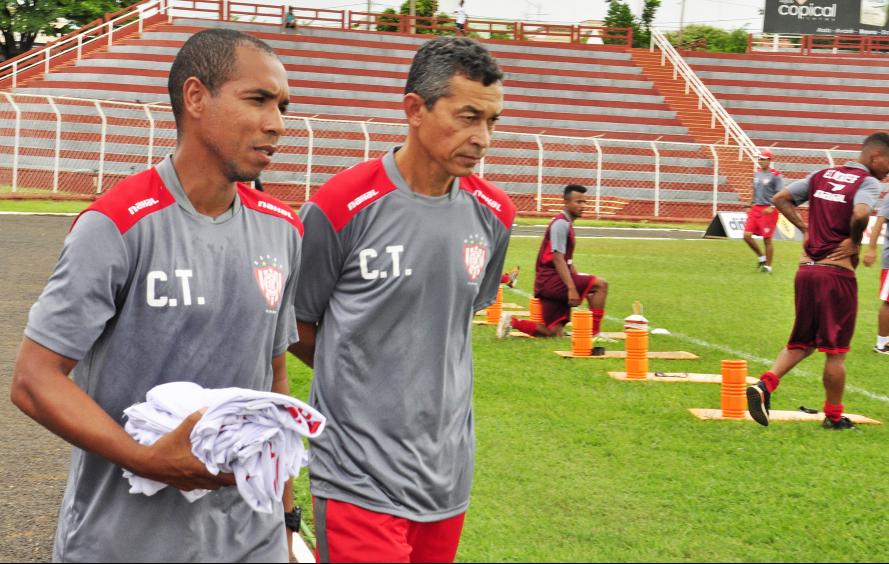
{"x": 263, "y": 203}
{"x": 775, "y": 172}
{"x": 346, "y": 194}
{"x": 132, "y": 199}
{"x": 490, "y": 196}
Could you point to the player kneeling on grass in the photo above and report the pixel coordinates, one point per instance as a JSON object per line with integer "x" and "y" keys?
{"x": 840, "y": 202}
{"x": 763, "y": 218}
{"x": 870, "y": 256}
{"x": 557, "y": 283}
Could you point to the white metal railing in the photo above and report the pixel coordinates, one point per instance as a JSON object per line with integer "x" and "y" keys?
{"x": 718, "y": 113}
{"x": 84, "y": 146}
{"x": 75, "y": 42}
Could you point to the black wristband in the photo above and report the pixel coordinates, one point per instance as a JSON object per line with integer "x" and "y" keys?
{"x": 292, "y": 519}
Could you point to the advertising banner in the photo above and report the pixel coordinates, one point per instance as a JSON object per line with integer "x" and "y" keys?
{"x": 827, "y": 17}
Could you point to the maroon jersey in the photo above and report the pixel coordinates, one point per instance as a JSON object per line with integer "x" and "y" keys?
{"x": 559, "y": 237}
{"x": 831, "y": 201}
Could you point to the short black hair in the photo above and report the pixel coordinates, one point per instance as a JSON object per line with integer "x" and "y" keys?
{"x": 439, "y": 60}
{"x": 877, "y": 141}
{"x": 208, "y": 55}
{"x": 573, "y": 188}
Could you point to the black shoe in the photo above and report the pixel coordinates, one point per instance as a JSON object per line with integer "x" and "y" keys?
{"x": 840, "y": 425}
{"x": 759, "y": 401}
{"x": 881, "y": 350}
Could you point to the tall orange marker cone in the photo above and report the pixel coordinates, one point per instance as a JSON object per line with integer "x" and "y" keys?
{"x": 637, "y": 354}
{"x": 536, "y": 310}
{"x": 582, "y": 332}
{"x": 734, "y": 384}
{"x": 494, "y": 310}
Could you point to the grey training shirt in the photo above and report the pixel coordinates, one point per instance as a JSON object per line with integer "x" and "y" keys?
{"x": 868, "y": 193}
{"x": 884, "y": 212}
{"x": 148, "y": 291}
{"x": 766, "y": 183}
{"x": 394, "y": 279}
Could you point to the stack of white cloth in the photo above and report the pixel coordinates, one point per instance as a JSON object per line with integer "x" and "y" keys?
{"x": 257, "y": 436}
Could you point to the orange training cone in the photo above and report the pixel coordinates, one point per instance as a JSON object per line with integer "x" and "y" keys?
{"x": 582, "y": 332}
{"x": 734, "y": 384}
{"x": 536, "y": 310}
{"x": 494, "y": 310}
{"x": 637, "y": 354}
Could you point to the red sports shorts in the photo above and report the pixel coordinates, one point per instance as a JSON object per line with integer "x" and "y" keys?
{"x": 348, "y": 533}
{"x": 826, "y": 308}
{"x": 760, "y": 223}
{"x": 553, "y": 295}
{"x": 884, "y": 285}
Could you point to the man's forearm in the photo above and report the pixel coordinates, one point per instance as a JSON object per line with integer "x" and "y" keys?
{"x": 564, "y": 271}
{"x": 875, "y": 234}
{"x": 788, "y": 210}
{"x": 858, "y": 226}
{"x": 42, "y": 390}
{"x": 305, "y": 348}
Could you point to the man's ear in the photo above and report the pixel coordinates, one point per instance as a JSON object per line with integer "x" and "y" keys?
{"x": 414, "y": 108}
{"x": 194, "y": 97}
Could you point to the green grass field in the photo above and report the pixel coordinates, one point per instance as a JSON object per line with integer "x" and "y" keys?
{"x": 575, "y": 466}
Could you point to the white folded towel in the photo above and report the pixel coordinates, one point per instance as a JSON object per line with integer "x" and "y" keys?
{"x": 257, "y": 436}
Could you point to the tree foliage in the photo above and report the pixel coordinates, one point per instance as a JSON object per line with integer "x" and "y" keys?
{"x": 620, "y": 15}
{"x": 708, "y": 38}
{"x": 21, "y": 21}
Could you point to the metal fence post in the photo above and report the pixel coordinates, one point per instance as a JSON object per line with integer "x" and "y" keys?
{"x": 150, "y": 135}
{"x": 539, "y": 173}
{"x": 715, "y": 178}
{"x": 101, "y": 171}
{"x": 657, "y": 179}
{"x": 366, "y": 141}
{"x": 598, "y": 177}
{"x": 309, "y": 151}
{"x": 58, "y": 152}
{"x": 17, "y": 141}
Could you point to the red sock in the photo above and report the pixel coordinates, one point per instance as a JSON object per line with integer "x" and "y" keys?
{"x": 526, "y": 326}
{"x": 833, "y": 412}
{"x": 771, "y": 381}
{"x": 598, "y": 314}
{"x": 504, "y": 279}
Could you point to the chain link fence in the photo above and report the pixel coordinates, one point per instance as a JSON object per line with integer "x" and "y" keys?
{"x": 57, "y": 145}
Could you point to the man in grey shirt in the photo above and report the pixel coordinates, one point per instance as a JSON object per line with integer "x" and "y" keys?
{"x": 181, "y": 272}
{"x": 763, "y": 217}
{"x": 400, "y": 253}
{"x": 882, "y": 345}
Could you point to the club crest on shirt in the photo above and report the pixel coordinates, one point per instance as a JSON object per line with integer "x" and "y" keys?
{"x": 270, "y": 279}
{"x": 475, "y": 255}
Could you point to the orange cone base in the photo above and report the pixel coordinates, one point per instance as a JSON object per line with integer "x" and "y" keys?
{"x": 665, "y": 355}
{"x": 774, "y": 415}
{"x": 671, "y": 377}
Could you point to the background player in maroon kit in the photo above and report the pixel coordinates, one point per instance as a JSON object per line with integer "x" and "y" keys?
{"x": 840, "y": 202}
{"x": 762, "y": 218}
{"x": 557, "y": 283}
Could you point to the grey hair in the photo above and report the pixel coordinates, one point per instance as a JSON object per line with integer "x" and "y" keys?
{"x": 439, "y": 60}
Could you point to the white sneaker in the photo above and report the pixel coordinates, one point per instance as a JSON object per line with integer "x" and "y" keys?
{"x": 882, "y": 350}
{"x": 504, "y": 325}
{"x": 767, "y": 269}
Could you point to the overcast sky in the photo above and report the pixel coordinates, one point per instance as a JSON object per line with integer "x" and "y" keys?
{"x": 729, "y": 14}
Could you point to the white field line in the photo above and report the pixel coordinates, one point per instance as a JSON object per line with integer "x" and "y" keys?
{"x": 746, "y": 356}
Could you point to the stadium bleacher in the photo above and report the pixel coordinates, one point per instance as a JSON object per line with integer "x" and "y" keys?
{"x": 558, "y": 90}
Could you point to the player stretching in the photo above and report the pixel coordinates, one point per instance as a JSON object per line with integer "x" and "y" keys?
{"x": 557, "y": 283}
{"x": 840, "y": 202}
{"x": 763, "y": 218}
{"x": 870, "y": 256}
